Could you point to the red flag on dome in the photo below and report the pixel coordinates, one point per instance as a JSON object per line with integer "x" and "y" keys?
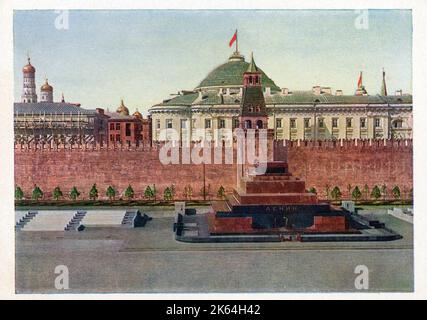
{"x": 234, "y": 38}
{"x": 359, "y": 82}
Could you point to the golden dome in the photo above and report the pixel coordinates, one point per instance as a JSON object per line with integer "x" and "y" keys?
{"x": 29, "y": 68}
{"x": 46, "y": 87}
{"x": 123, "y": 110}
{"x": 137, "y": 114}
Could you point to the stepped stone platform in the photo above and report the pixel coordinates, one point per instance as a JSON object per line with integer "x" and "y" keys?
{"x": 77, "y": 220}
{"x": 275, "y": 206}
{"x": 48, "y": 220}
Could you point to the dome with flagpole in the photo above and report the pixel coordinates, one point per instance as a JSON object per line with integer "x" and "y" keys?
{"x": 230, "y": 74}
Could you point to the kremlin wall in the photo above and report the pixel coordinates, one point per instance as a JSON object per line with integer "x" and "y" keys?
{"x": 319, "y": 163}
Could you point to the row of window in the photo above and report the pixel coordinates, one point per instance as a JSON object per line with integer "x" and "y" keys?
{"x": 116, "y": 126}
{"x": 279, "y": 121}
{"x": 208, "y": 123}
{"x": 321, "y": 123}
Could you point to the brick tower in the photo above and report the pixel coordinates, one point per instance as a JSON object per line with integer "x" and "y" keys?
{"x": 253, "y": 113}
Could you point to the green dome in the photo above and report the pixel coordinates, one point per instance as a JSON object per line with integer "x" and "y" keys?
{"x": 231, "y": 74}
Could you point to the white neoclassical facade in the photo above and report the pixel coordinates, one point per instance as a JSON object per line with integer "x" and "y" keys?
{"x": 212, "y": 109}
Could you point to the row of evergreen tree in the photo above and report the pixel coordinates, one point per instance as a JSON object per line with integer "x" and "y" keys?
{"x": 150, "y": 193}
{"x": 356, "y": 194}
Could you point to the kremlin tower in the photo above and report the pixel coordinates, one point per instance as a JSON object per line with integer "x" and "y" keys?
{"x": 253, "y": 114}
{"x": 29, "y": 87}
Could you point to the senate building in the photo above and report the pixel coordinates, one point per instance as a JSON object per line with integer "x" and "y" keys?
{"x": 214, "y": 107}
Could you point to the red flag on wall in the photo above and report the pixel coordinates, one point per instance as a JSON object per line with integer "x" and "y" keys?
{"x": 234, "y": 38}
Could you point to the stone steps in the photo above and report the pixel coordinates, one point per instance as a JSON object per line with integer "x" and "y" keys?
{"x": 275, "y": 186}
{"x": 276, "y": 198}
{"x": 128, "y": 219}
{"x": 75, "y": 221}
{"x": 50, "y": 220}
{"x": 25, "y": 219}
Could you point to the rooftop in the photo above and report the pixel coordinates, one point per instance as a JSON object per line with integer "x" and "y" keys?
{"x": 230, "y": 74}
{"x": 50, "y": 108}
{"x": 296, "y": 97}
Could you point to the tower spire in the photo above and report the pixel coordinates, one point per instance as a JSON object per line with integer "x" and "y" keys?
{"x": 252, "y": 66}
{"x": 383, "y": 85}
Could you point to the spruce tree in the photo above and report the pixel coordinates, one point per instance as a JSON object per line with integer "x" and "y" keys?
{"x": 93, "y": 193}
{"x": 19, "y": 194}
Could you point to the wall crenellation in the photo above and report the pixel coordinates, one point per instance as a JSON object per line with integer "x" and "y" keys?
{"x": 289, "y": 144}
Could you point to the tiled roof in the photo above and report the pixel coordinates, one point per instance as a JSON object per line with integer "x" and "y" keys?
{"x": 231, "y": 74}
{"x": 296, "y": 97}
{"x": 307, "y": 97}
{"x": 185, "y": 99}
{"x": 50, "y": 108}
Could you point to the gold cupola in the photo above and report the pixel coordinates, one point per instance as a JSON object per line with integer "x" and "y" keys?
{"x": 122, "y": 109}
{"x": 137, "y": 114}
{"x": 46, "y": 86}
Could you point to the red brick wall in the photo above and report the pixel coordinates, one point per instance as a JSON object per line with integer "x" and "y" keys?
{"x": 319, "y": 166}
{"x": 118, "y": 168}
{"x": 336, "y": 165}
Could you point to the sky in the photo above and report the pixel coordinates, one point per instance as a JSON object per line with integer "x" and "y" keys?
{"x": 142, "y": 56}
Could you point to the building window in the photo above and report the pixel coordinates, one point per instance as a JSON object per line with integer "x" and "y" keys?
{"x": 158, "y": 123}
{"x": 117, "y": 137}
{"x": 168, "y": 123}
{"x": 112, "y": 137}
{"x": 248, "y": 124}
{"x": 398, "y": 124}
{"x": 183, "y": 123}
{"x": 363, "y": 122}
{"x": 293, "y": 123}
{"x": 207, "y": 123}
{"x": 321, "y": 123}
{"x": 278, "y": 123}
{"x": 118, "y": 126}
{"x": 128, "y": 131}
{"x": 349, "y": 122}
{"x": 235, "y": 123}
{"x": 221, "y": 123}
{"x": 335, "y": 123}
{"x": 111, "y": 126}
{"x": 377, "y": 122}
{"x": 307, "y": 123}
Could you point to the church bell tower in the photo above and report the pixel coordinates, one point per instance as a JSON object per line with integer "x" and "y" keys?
{"x": 29, "y": 94}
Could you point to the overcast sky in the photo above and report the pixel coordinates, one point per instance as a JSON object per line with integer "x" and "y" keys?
{"x": 143, "y": 56}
